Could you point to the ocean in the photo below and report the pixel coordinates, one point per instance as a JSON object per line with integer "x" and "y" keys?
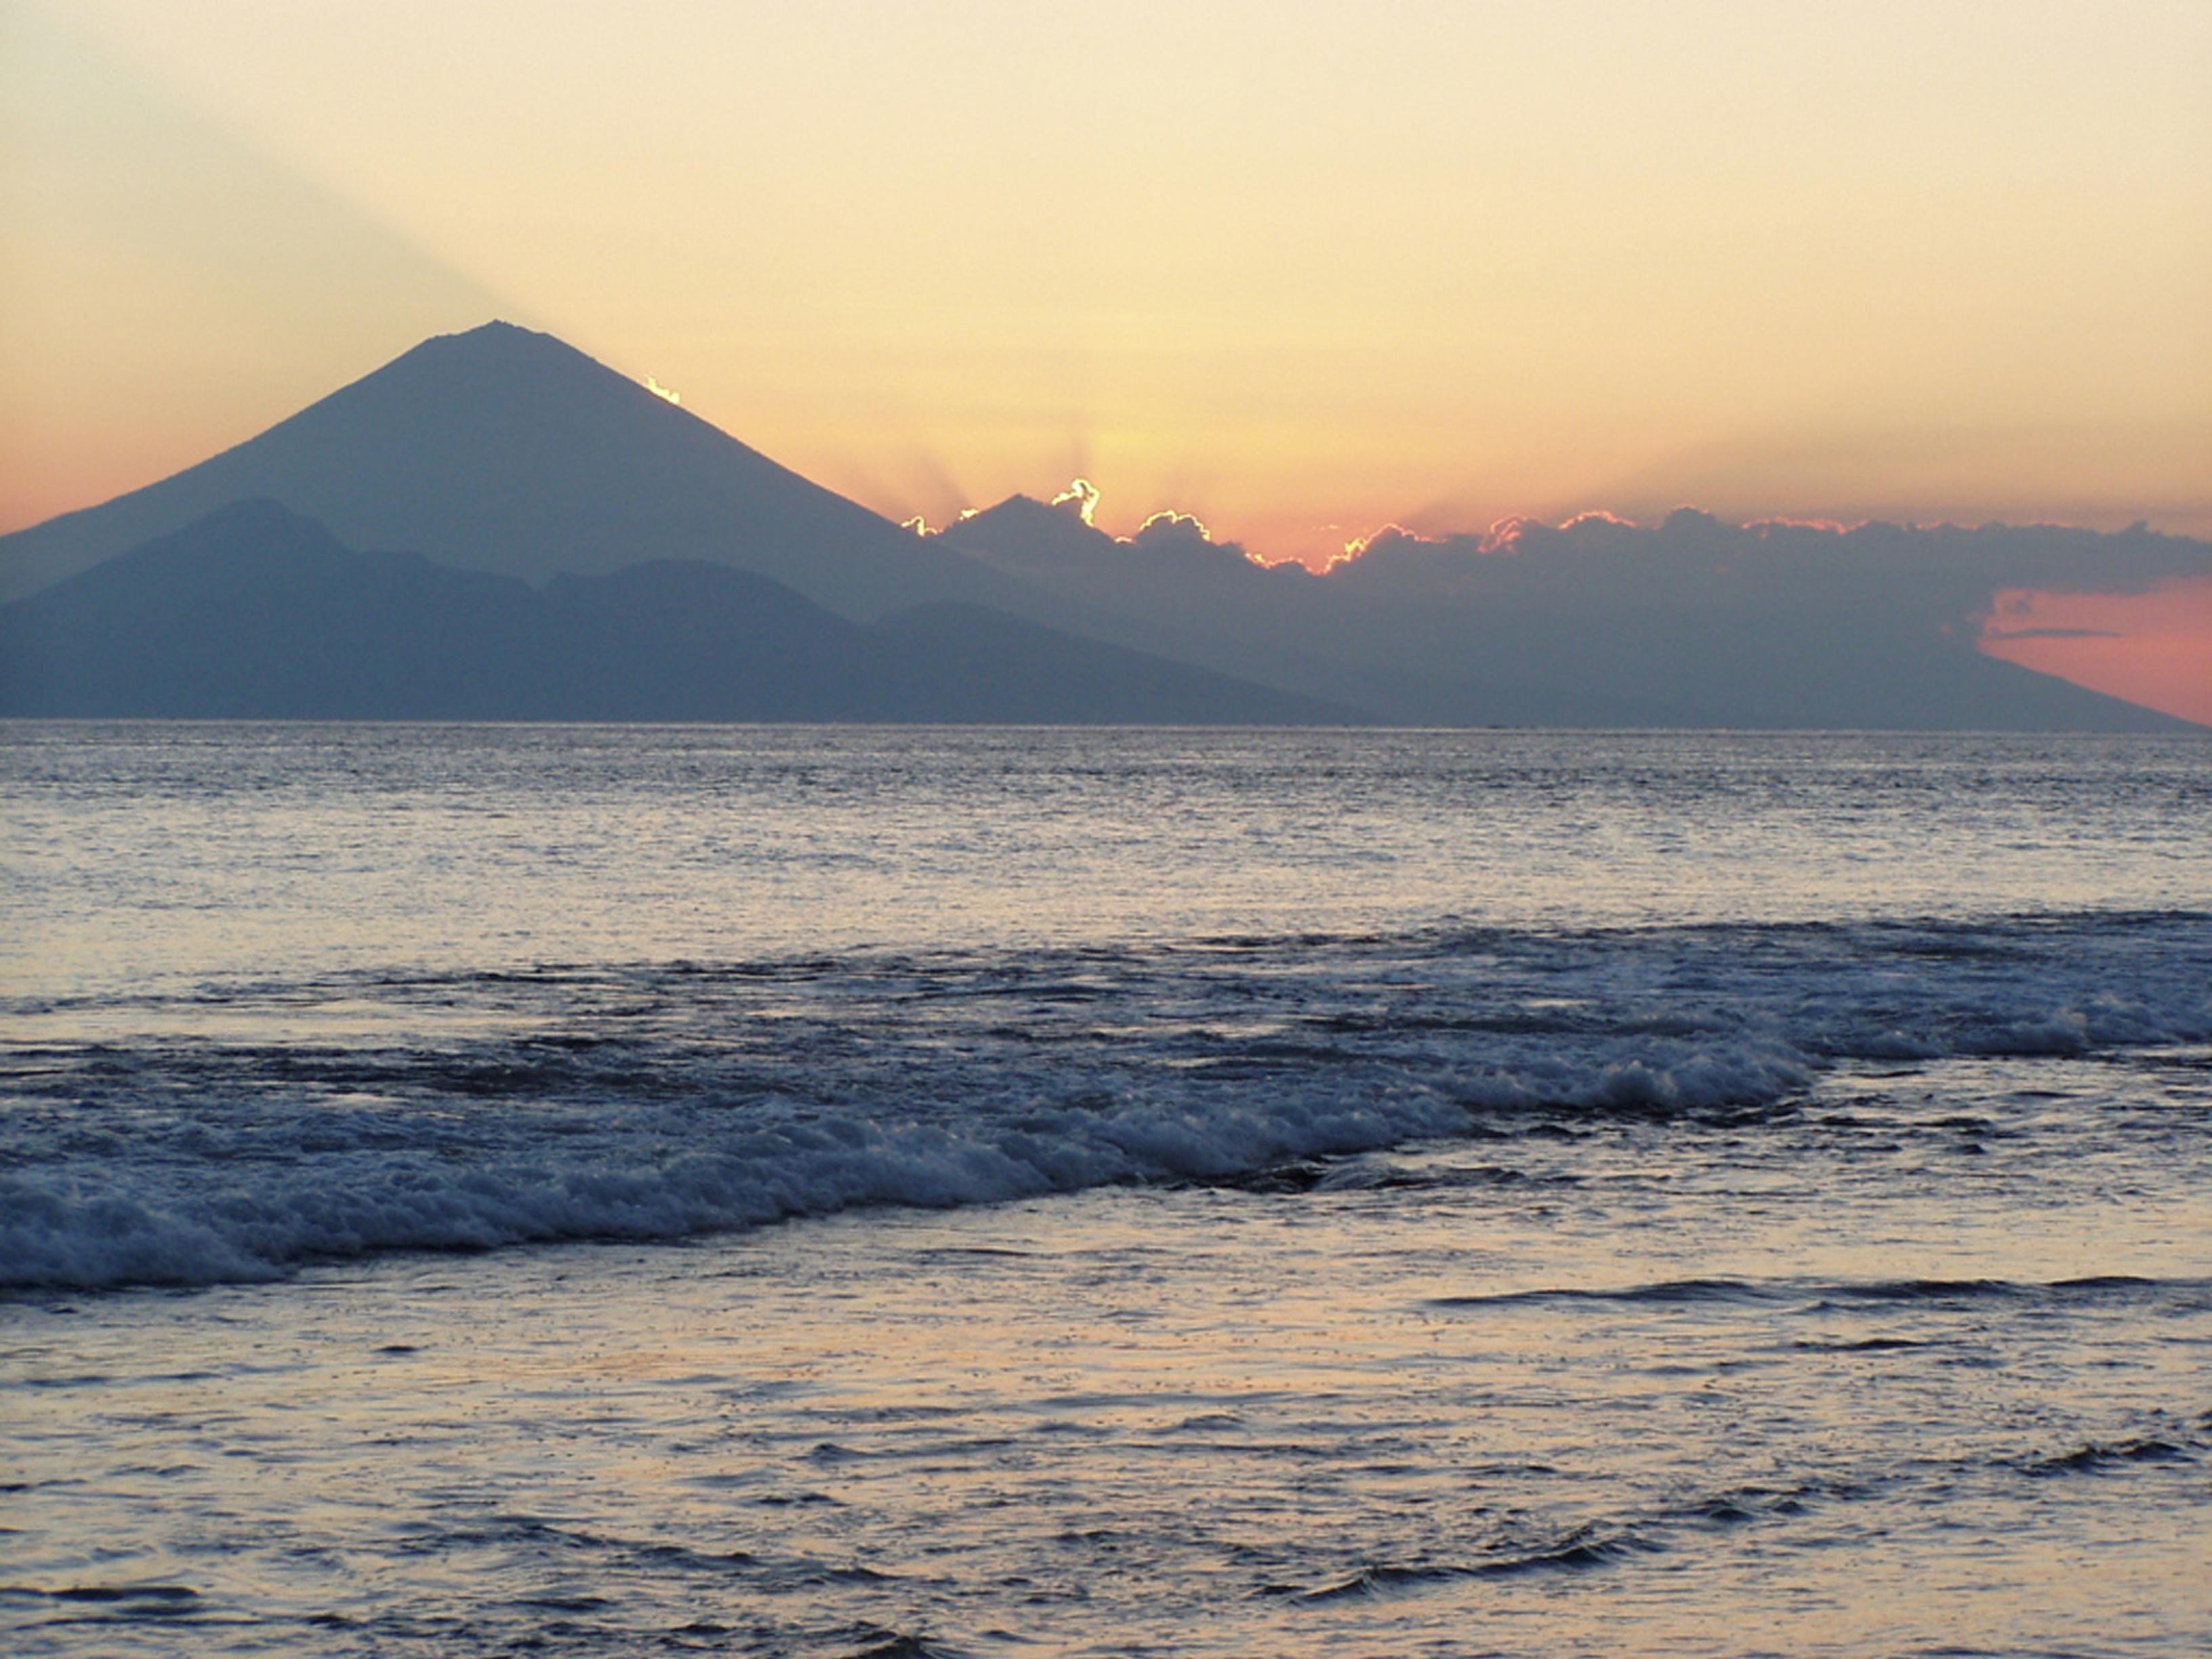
{"x": 904, "y": 1191}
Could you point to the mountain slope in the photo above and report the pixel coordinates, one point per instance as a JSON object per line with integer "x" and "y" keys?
{"x": 1692, "y": 624}
{"x": 506, "y": 451}
{"x": 255, "y": 612}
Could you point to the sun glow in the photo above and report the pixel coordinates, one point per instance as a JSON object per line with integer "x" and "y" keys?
{"x": 1082, "y": 495}
{"x": 2153, "y": 649}
{"x": 1359, "y": 544}
{"x": 1168, "y": 519}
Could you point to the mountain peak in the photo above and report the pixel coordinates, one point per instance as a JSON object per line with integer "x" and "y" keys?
{"x": 494, "y": 357}
{"x": 497, "y": 337}
{"x": 497, "y": 328}
{"x": 504, "y": 450}
{"x": 252, "y": 515}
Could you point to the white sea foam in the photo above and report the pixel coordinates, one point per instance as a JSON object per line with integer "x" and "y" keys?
{"x": 300, "y": 994}
{"x": 147, "y": 1223}
{"x": 960, "y": 1080}
{"x": 1771, "y": 1144}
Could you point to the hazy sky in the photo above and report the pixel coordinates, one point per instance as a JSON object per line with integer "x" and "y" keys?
{"x": 1300, "y": 267}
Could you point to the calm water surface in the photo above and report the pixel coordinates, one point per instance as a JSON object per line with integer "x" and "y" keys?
{"x": 1010, "y": 1191}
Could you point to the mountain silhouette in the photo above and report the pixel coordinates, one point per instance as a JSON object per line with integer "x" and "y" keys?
{"x": 506, "y": 451}
{"x": 1691, "y": 623}
{"x": 1175, "y": 594}
{"x": 504, "y": 454}
{"x": 256, "y": 612}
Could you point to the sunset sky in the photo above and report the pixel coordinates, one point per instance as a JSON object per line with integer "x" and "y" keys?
{"x": 1300, "y": 267}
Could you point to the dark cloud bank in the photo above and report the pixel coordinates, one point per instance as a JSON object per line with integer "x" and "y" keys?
{"x": 579, "y": 548}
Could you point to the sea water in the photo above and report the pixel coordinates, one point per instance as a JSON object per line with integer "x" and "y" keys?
{"x": 835, "y": 1191}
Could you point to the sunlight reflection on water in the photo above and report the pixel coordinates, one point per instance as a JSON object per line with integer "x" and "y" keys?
{"x": 1541, "y": 1193}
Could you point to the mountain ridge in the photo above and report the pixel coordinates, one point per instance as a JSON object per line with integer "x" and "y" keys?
{"x": 257, "y": 612}
{"x": 505, "y": 450}
{"x": 1690, "y": 624}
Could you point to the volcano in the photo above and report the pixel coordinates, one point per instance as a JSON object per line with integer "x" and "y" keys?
{"x": 507, "y": 452}
{"x": 500, "y": 453}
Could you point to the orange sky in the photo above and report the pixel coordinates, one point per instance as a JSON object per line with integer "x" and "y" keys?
{"x": 1300, "y": 267}
{"x": 2153, "y": 649}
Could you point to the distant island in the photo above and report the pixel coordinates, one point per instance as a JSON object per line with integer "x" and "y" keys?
{"x": 495, "y": 526}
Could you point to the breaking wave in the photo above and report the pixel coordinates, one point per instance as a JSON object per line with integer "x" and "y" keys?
{"x": 370, "y": 1113}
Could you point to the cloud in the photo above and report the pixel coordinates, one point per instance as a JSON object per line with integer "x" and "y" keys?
{"x": 1183, "y": 539}
{"x": 1168, "y": 525}
{"x": 1941, "y": 573}
{"x": 1597, "y": 620}
{"x": 1081, "y": 497}
{"x": 1744, "y": 622}
{"x": 1359, "y": 544}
